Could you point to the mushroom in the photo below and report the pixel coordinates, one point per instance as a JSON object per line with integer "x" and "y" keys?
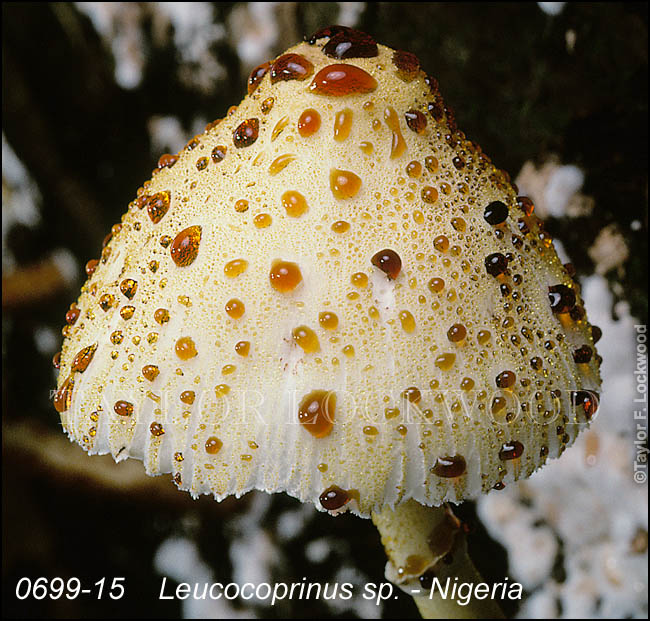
{"x": 335, "y": 294}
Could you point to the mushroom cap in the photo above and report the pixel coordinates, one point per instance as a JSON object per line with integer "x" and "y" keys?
{"x": 332, "y": 293}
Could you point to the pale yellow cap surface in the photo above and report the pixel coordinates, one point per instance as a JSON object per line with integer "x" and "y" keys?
{"x": 414, "y": 361}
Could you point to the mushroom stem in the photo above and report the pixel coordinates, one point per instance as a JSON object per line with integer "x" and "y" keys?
{"x": 417, "y": 539}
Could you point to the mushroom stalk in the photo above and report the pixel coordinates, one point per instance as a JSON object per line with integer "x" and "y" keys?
{"x": 427, "y": 543}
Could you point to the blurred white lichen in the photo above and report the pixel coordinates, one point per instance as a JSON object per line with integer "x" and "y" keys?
{"x": 609, "y": 251}
{"x": 551, "y": 8}
{"x": 20, "y": 199}
{"x": 555, "y": 189}
{"x": 121, "y": 26}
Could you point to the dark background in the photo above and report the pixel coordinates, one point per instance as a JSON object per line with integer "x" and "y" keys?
{"x": 516, "y": 90}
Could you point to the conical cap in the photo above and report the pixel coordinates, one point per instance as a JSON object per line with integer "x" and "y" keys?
{"x": 332, "y": 293}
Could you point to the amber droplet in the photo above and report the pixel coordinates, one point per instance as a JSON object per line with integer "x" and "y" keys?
{"x": 309, "y": 122}
{"x": 91, "y": 266}
{"x": 185, "y": 247}
{"x": 596, "y": 334}
{"x": 495, "y": 213}
{"x": 213, "y": 445}
{"x": 285, "y": 276}
{"x": 344, "y": 184}
{"x": 166, "y": 160}
{"x": 161, "y": 316}
{"x": 467, "y": 383}
{"x": 582, "y": 355}
{"x": 246, "y": 133}
{"x": 414, "y": 169}
{"x": 334, "y": 498}
{"x": 202, "y": 163}
{"x": 398, "y": 146}
{"x": 63, "y": 396}
{"x": 457, "y": 333}
{"x": 429, "y": 194}
{"x": 279, "y": 127}
{"x": 256, "y": 76}
{"x": 391, "y": 413}
{"x": 449, "y": 467}
{"x": 342, "y": 124}
{"x": 262, "y": 221}
{"x": 366, "y": 147}
{"x": 123, "y": 408}
{"x": 106, "y": 301}
{"x": 156, "y": 429}
{"x": 506, "y": 379}
{"x": 242, "y": 348}
{"x": 411, "y": 394}
{"x": 587, "y": 400}
{"x": 128, "y": 287}
{"x": 83, "y": 358}
{"x": 280, "y": 163}
{"x": 291, "y": 67}
{"x": 328, "y": 320}
{"x": 431, "y": 163}
{"x": 436, "y": 285}
{"x": 267, "y": 105}
{"x": 407, "y": 65}
{"x": 350, "y": 43}
{"x": 235, "y": 268}
{"x": 218, "y": 154}
{"x": 562, "y": 299}
{"x": 445, "y": 361}
{"x": 407, "y": 321}
{"x": 526, "y": 205}
{"x": 459, "y": 224}
{"x": 339, "y": 80}
{"x": 72, "y": 315}
{"x": 441, "y": 243}
{"x": 370, "y": 430}
{"x": 389, "y": 262}
{"x": 306, "y": 338}
{"x": 496, "y": 264}
{"x": 56, "y": 360}
{"x": 316, "y": 412}
{"x": 436, "y": 110}
{"x": 340, "y": 227}
{"x": 294, "y": 203}
{"x": 326, "y": 32}
{"x": 511, "y": 450}
{"x": 187, "y": 397}
{"x": 221, "y": 390}
{"x": 458, "y": 162}
{"x": 212, "y": 124}
{"x": 577, "y": 313}
{"x": 235, "y": 308}
{"x": 150, "y": 372}
{"x": 415, "y": 120}
{"x": 157, "y": 206}
{"x": 359, "y": 279}
{"x": 193, "y": 143}
{"x": 185, "y": 348}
